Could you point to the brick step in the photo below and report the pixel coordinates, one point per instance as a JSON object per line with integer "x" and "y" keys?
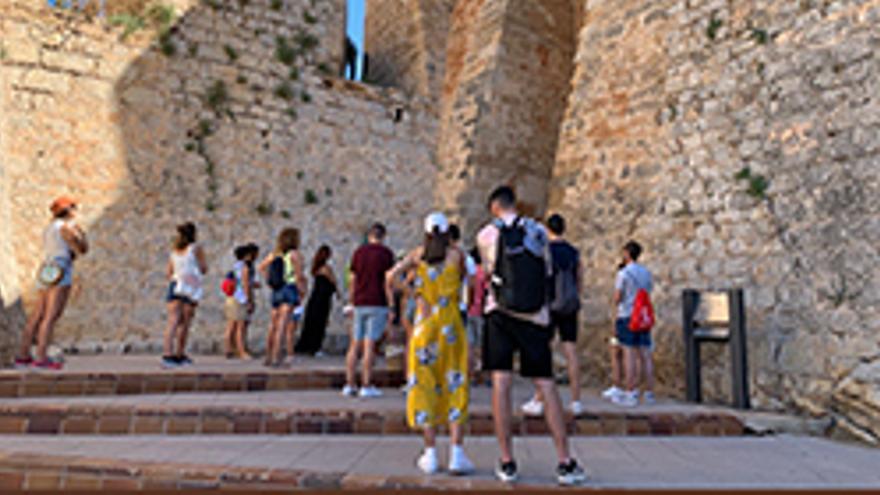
{"x": 145, "y": 377}
{"x": 325, "y": 413}
{"x": 37, "y": 471}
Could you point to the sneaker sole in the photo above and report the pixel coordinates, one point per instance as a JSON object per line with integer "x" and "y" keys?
{"x": 572, "y": 481}
{"x": 461, "y": 472}
{"x": 505, "y": 478}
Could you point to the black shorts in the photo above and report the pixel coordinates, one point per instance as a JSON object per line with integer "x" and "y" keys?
{"x": 566, "y": 325}
{"x": 504, "y": 335}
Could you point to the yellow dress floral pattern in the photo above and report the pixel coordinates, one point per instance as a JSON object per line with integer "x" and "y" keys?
{"x": 438, "y": 352}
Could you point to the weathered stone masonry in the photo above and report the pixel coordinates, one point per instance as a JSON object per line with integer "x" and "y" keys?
{"x": 680, "y": 114}
{"x": 207, "y": 134}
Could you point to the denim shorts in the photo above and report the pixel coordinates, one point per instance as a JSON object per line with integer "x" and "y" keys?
{"x": 66, "y": 265}
{"x": 171, "y": 296}
{"x": 474, "y": 327}
{"x": 288, "y": 294}
{"x": 369, "y": 322}
{"x": 628, "y": 338}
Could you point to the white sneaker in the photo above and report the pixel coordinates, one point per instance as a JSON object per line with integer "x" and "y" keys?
{"x": 576, "y": 408}
{"x": 349, "y": 391}
{"x": 369, "y": 392}
{"x": 648, "y": 398}
{"x": 428, "y": 462}
{"x": 533, "y": 407}
{"x": 459, "y": 464}
{"x": 627, "y": 399}
{"x": 611, "y": 392}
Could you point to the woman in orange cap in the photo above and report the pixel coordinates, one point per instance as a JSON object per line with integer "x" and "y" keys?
{"x": 63, "y": 242}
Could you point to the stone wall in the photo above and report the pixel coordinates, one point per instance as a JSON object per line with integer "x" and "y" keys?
{"x": 406, "y": 44}
{"x": 738, "y": 141}
{"x": 220, "y": 132}
{"x": 507, "y": 77}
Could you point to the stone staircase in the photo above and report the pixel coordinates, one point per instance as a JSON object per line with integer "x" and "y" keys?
{"x": 129, "y": 397}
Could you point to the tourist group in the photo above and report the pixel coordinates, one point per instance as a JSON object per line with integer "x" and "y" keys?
{"x": 466, "y": 314}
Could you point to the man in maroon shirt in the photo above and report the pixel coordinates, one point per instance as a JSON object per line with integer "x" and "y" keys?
{"x": 371, "y": 309}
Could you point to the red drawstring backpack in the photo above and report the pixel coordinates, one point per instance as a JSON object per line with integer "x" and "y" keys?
{"x": 228, "y": 285}
{"x": 642, "y": 318}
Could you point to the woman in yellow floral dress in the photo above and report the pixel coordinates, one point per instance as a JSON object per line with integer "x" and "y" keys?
{"x": 437, "y": 381}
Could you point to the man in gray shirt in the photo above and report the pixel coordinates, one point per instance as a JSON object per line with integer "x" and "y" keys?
{"x": 636, "y": 345}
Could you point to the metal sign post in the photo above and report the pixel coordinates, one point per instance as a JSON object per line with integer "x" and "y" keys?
{"x": 720, "y": 317}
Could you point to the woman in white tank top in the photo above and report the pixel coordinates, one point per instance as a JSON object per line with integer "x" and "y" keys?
{"x": 186, "y": 269}
{"x": 63, "y": 242}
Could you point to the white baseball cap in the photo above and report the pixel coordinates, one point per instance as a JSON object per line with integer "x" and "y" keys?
{"x": 436, "y": 221}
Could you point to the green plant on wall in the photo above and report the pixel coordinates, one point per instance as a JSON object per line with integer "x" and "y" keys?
{"x": 276, "y": 5}
{"x": 217, "y": 96}
{"x": 264, "y": 209}
{"x": 157, "y": 16}
{"x": 284, "y": 52}
{"x": 231, "y": 53}
{"x": 713, "y": 27}
{"x": 161, "y": 16}
{"x": 284, "y": 91}
{"x": 310, "y": 197}
{"x": 306, "y": 41}
{"x": 309, "y": 18}
{"x": 759, "y": 36}
{"x": 756, "y": 184}
{"x": 131, "y": 23}
{"x": 166, "y": 44}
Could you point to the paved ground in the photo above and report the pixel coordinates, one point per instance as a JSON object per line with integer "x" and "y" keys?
{"x": 134, "y": 363}
{"x": 682, "y": 462}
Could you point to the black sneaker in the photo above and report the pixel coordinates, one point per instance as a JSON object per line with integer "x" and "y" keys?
{"x": 184, "y": 360}
{"x": 169, "y": 362}
{"x": 569, "y": 474}
{"x": 506, "y": 471}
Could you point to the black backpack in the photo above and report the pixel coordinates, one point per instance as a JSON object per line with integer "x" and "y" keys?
{"x": 520, "y": 277}
{"x": 566, "y": 299}
{"x": 276, "y": 274}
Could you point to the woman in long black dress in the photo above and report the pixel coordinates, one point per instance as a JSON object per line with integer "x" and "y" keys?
{"x": 320, "y": 301}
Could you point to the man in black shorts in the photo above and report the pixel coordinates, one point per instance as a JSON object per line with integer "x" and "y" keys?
{"x": 564, "y": 309}
{"x": 509, "y": 332}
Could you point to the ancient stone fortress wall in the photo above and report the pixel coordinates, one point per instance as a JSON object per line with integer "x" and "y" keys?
{"x": 508, "y": 72}
{"x": 405, "y": 41}
{"x": 230, "y": 116}
{"x": 740, "y": 143}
